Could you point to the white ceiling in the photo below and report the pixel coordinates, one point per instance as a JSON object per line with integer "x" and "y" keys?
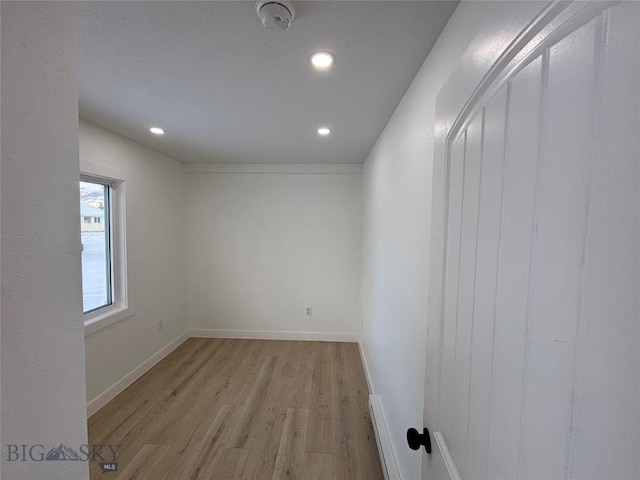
{"x": 228, "y": 91}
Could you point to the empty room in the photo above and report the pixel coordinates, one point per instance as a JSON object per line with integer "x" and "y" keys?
{"x": 320, "y": 240}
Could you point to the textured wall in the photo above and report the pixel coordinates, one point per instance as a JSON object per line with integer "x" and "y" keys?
{"x": 43, "y": 383}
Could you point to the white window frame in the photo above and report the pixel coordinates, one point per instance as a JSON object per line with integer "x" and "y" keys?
{"x": 121, "y": 306}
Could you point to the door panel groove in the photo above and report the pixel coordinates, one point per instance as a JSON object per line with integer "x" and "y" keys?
{"x": 494, "y": 317}
{"x": 475, "y": 282}
{"x": 544, "y": 78}
{"x": 600, "y": 42}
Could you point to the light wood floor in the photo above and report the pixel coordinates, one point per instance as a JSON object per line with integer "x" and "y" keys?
{"x": 243, "y": 409}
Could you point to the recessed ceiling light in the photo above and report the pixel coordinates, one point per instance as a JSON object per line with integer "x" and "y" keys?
{"x": 157, "y": 130}
{"x": 322, "y": 60}
{"x": 324, "y": 131}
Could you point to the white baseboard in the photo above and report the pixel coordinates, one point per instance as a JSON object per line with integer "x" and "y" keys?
{"x": 383, "y": 440}
{"x": 276, "y": 335}
{"x": 387, "y": 457}
{"x": 114, "y": 390}
{"x": 365, "y": 366}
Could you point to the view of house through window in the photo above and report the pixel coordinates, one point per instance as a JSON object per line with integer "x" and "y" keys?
{"x": 96, "y": 246}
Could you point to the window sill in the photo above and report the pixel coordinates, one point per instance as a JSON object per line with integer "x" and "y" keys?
{"x": 102, "y": 318}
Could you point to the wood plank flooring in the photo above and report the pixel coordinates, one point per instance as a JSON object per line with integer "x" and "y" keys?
{"x": 243, "y": 409}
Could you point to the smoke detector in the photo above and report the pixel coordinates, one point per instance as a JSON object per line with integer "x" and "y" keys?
{"x": 275, "y": 14}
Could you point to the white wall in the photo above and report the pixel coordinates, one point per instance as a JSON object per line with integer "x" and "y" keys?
{"x": 43, "y": 385}
{"x": 264, "y": 246}
{"x": 397, "y": 209}
{"x": 158, "y": 254}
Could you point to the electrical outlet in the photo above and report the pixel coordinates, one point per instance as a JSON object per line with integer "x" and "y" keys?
{"x": 159, "y": 325}
{"x": 309, "y": 311}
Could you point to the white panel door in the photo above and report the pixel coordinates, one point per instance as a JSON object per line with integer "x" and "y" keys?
{"x": 534, "y": 337}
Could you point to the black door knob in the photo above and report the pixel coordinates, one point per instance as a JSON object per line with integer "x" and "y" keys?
{"x": 415, "y": 439}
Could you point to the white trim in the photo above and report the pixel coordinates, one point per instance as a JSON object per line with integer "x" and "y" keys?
{"x": 121, "y": 245}
{"x": 117, "y": 388}
{"x": 446, "y": 456}
{"x": 276, "y": 335}
{"x": 365, "y": 366}
{"x": 271, "y": 168}
{"x": 104, "y": 317}
{"x": 383, "y": 440}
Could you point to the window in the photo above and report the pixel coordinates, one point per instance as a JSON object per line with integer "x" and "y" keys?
{"x": 105, "y": 266}
{"x": 97, "y": 282}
